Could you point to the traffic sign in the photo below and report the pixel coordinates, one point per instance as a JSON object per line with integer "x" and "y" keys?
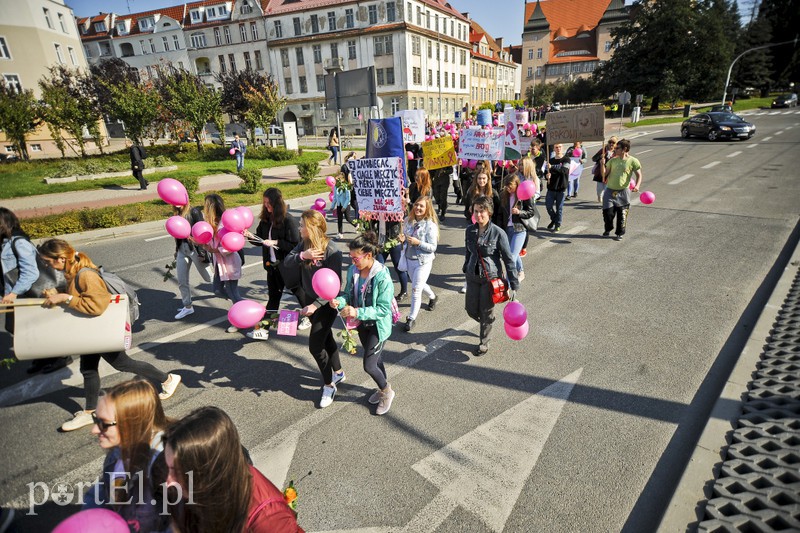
{"x": 625, "y": 98}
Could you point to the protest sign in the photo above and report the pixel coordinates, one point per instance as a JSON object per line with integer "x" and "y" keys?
{"x": 413, "y": 125}
{"x": 377, "y": 184}
{"x": 481, "y": 144}
{"x": 511, "y": 138}
{"x": 581, "y": 124}
{"x": 287, "y": 322}
{"x": 439, "y": 153}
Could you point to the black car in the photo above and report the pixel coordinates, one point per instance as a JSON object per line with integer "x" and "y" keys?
{"x": 717, "y": 125}
{"x": 785, "y": 100}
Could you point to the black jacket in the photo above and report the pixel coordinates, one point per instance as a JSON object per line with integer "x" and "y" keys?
{"x": 332, "y": 260}
{"x": 137, "y": 156}
{"x": 288, "y": 236}
{"x": 495, "y": 252}
{"x": 559, "y": 174}
{"x": 496, "y": 212}
{"x": 525, "y": 211}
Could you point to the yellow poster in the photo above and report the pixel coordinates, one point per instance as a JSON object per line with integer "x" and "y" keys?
{"x": 439, "y": 153}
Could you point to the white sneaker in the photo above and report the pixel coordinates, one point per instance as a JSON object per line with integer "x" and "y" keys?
{"x": 328, "y": 392}
{"x": 260, "y": 334}
{"x": 464, "y": 289}
{"x": 81, "y": 419}
{"x": 304, "y": 323}
{"x": 338, "y": 377}
{"x": 184, "y": 312}
{"x": 521, "y": 275}
{"x": 169, "y": 386}
{"x": 232, "y": 329}
{"x": 339, "y": 236}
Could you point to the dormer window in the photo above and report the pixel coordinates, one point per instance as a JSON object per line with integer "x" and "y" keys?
{"x": 211, "y": 12}
{"x": 145, "y": 24}
{"x": 197, "y": 16}
{"x": 99, "y": 27}
{"x": 121, "y": 28}
{"x": 246, "y": 8}
{"x": 223, "y": 10}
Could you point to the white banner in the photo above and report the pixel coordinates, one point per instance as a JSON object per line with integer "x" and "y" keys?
{"x": 511, "y": 141}
{"x": 580, "y": 124}
{"x": 378, "y": 185}
{"x": 413, "y": 125}
{"x": 481, "y": 144}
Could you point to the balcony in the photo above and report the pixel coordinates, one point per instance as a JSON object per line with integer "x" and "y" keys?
{"x": 334, "y": 64}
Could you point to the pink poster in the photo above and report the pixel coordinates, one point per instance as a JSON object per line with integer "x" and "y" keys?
{"x": 287, "y": 323}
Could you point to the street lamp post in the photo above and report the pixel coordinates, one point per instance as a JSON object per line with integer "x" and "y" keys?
{"x": 728, "y": 79}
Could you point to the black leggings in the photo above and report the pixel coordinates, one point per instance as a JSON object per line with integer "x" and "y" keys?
{"x": 120, "y": 361}
{"x": 322, "y": 344}
{"x": 343, "y": 212}
{"x": 373, "y": 354}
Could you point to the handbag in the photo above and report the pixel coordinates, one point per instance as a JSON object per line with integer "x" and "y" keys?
{"x": 497, "y": 285}
{"x": 531, "y": 223}
{"x": 402, "y": 263}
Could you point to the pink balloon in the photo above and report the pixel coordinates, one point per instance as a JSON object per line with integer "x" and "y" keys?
{"x": 473, "y": 164}
{"x": 221, "y": 232}
{"x": 632, "y": 185}
{"x": 178, "y": 227}
{"x": 331, "y": 181}
{"x": 515, "y": 314}
{"x": 320, "y": 203}
{"x": 526, "y": 127}
{"x": 330, "y": 196}
{"x": 647, "y": 197}
{"x": 172, "y": 191}
{"x": 410, "y": 155}
{"x": 247, "y": 215}
{"x": 233, "y": 242}
{"x": 526, "y": 190}
{"x": 93, "y": 521}
{"x": 517, "y": 333}
{"x": 232, "y": 151}
{"x": 427, "y": 137}
{"x": 326, "y": 283}
{"x": 246, "y": 313}
{"x": 496, "y": 122}
{"x": 577, "y": 152}
{"x": 233, "y": 220}
{"x": 202, "y": 232}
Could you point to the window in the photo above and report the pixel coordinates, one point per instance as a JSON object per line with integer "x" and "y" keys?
{"x": 222, "y": 67}
{"x": 320, "y": 83}
{"x": 4, "y": 53}
{"x": 452, "y": 29}
{"x": 415, "y": 45}
{"x": 152, "y": 46}
{"x": 607, "y": 46}
{"x": 303, "y": 85}
{"x": 351, "y": 49}
{"x": 223, "y": 10}
{"x": 379, "y": 76}
{"x": 12, "y": 82}
{"x": 88, "y": 51}
{"x": 165, "y": 42}
{"x": 419, "y": 16}
{"x": 437, "y": 23}
{"x": 285, "y": 57}
{"x": 217, "y": 36}
{"x": 198, "y": 41}
{"x": 228, "y": 38}
{"x": 437, "y": 51}
{"x": 177, "y": 42}
{"x": 314, "y": 25}
{"x": 428, "y": 19}
{"x": 278, "y": 29}
{"x": 538, "y": 53}
{"x": 317, "y": 49}
{"x": 356, "y": 112}
{"x": 248, "y": 65}
{"x": 246, "y": 8}
{"x": 391, "y": 12}
{"x": 211, "y": 12}
{"x": 383, "y": 45}
{"x": 180, "y": 65}
{"x": 349, "y": 20}
{"x": 73, "y": 59}
{"x": 390, "y": 76}
{"x": 259, "y": 64}
{"x": 331, "y": 20}
{"x": 196, "y": 16}
{"x": 47, "y": 18}
{"x": 372, "y": 12}
{"x": 430, "y": 49}
{"x": 232, "y": 61}
{"x": 99, "y": 27}
{"x": 445, "y": 54}
{"x": 121, "y": 29}
{"x": 59, "y": 54}
{"x": 141, "y": 43}
{"x": 254, "y": 30}
{"x": 463, "y": 57}
{"x": 530, "y": 53}
{"x": 416, "y": 75}
{"x": 288, "y": 83}
{"x": 438, "y": 78}
{"x": 430, "y": 77}
{"x": 395, "y": 106}
{"x": 463, "y": 81}
{"x": 413, "y": 102}
{"x": 430, "y": 104}
{"x": 530, "y": 72}
{"x": 453, "y": 80}
{"x": 409, "y": 13}
{"x": 297, "y": 30}
{"x": 36, "y": 148}
{"x": 243, "y": 33}
{"x": 298, "y": 54}
{"x": 62, "y": 23}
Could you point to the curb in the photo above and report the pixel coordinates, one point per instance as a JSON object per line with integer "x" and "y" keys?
{"x": 685, "y": 509}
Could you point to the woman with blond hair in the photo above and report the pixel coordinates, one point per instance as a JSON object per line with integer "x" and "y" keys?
{"x": 129, "y": 423}
{"x": 216, "y": 488}
{"x": 420, "y": 237}
{"x": 87, "y": 294}
{"x": 314, "y": 252}
{"x": 188, "y": 252}
{"x": 227, "y": 264}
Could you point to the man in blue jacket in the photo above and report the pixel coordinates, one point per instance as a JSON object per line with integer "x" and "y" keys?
{"x": 240, "y": 148}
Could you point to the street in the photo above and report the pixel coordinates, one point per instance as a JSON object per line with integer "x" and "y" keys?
{"x": 582, "y": 426}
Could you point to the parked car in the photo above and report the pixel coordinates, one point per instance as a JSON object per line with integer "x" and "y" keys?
{"x": 215, "y": 139}
{"x": 717, "y": 125}
{"x": 722, "y": 107}
{"x": 785, "y": 100}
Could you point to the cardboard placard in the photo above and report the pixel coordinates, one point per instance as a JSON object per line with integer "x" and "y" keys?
{"x": 439, "y": 153}
{"x": 481, "y": 144}
{"x": 378, "y": 184}
{"x": 413, "y": 125}
{"x": 580, "y": 124}
{"x": 287, "y": 322}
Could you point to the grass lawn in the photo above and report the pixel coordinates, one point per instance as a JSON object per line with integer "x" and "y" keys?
{"x": 26, "y": 179}
{"x": 741, "y": 105}
{"x": 122, "y": 215}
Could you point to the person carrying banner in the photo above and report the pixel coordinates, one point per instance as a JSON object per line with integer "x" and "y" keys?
{"x": 557, "y": 182}
{"x": 441, "y": 184}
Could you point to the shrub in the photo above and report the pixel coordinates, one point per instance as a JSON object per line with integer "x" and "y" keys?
{"x": 101, "y": 218}
{"x": 251, "y": 180}
{"x": 277, "y": 153}
{"x": 92, "y": 167}
{"x": 308, "y": 171}
{"x": 192, "y": 183}
{"x": 67, "y": 169}
{"x": 161, "y": 161}
{"x": 53, "y": 225}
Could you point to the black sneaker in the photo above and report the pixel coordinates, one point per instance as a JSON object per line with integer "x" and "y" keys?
{"x": 432, "y": 304}
{"x": 409, "y": 325}
{"x": 618, "y": 237}
{"x": 606, "y": 233}
{"x": 57, "y": 365}
{"x": 402, "y": 296}
{"x": 551, "y": 225}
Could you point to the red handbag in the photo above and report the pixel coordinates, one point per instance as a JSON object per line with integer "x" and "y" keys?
{"x": 498, "y": 285}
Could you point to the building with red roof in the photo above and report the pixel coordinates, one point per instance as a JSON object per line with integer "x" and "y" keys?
{"x": 564, "y": 40}
{"x": 493, "y": 72}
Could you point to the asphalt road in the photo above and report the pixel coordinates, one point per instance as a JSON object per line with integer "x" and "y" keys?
{"x": 586, "y": 425}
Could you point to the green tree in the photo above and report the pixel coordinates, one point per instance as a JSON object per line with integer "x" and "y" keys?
{"x": 110, "y": 73}
{"x": 18, "y": 117}
{"x": 235, "y": 103}
{"x": 188, "y": 99}
{"x": 263, "y": 105}
{"x": 783, "y": 18}
{"x": 137, "y": 106}
{"x": 754, "y": 69}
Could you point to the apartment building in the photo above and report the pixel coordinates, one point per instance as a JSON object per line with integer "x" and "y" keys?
{"x": 494, "y": 72}
{"x": 419, "y": 48}
{"x": 563, "y": 40}
{"x": 35, "y": 35}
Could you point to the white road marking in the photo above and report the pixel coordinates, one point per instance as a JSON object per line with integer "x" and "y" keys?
{"x": 778, "y": 132}
{"x": 151, "y": 239}
{"x": 711, "y": 165}
{"x": 734, "y": 154}
{"x": 752, "y": 145}
{"x": 644, "y": 151}
{"x": 137, "y": 265}
{"x": 681, "y": 179}
{"x": 765, "y": 139}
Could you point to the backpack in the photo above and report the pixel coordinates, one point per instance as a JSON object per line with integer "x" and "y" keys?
{"x": 116, "y": 285}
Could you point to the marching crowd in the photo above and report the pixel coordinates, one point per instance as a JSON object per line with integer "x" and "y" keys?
{"x": 163, "y": 453}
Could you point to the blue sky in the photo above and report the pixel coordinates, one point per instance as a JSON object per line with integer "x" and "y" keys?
{"x": 501, "y": 18}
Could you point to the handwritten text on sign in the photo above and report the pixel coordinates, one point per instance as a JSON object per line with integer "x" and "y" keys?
{"x": 581, "y": 124}
{"x": 378, "y": 183}
{"x": 439, "y": 153}
{"x": 413, "y": 125}
{"x": 481, "y": 144}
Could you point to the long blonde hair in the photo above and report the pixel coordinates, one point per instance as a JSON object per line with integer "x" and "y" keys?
{"x": 213, "y": 207}
{"x": 73, "y": 261}
{"x": 317, "y": 230}
{"x": 528, "y": 168}
{"x": 430, "y": 212}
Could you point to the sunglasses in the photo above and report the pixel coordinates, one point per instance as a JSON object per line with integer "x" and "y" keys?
{"x": 102, "y": 424}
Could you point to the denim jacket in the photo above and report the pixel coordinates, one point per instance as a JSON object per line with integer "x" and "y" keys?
{"x": 20, "y": 270}
{"x": 428, "y": 233}
{"x": 494, "y": 249}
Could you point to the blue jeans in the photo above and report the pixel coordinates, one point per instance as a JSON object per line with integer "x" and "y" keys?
{"x": 515, "y": 240}
{"x": 554, "y": 201}
{"x": 239, "y": 161}
{"x": 334, "y": 153}
{"x": 574, "y": 184}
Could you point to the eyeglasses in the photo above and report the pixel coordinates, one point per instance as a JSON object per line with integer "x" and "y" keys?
{"x": 102, "y": 424}
{"x": 357, "y": 258}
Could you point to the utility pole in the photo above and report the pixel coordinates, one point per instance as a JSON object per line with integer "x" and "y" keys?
{"x": 728, "y": 79}
{"x": 439, "y": 66}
